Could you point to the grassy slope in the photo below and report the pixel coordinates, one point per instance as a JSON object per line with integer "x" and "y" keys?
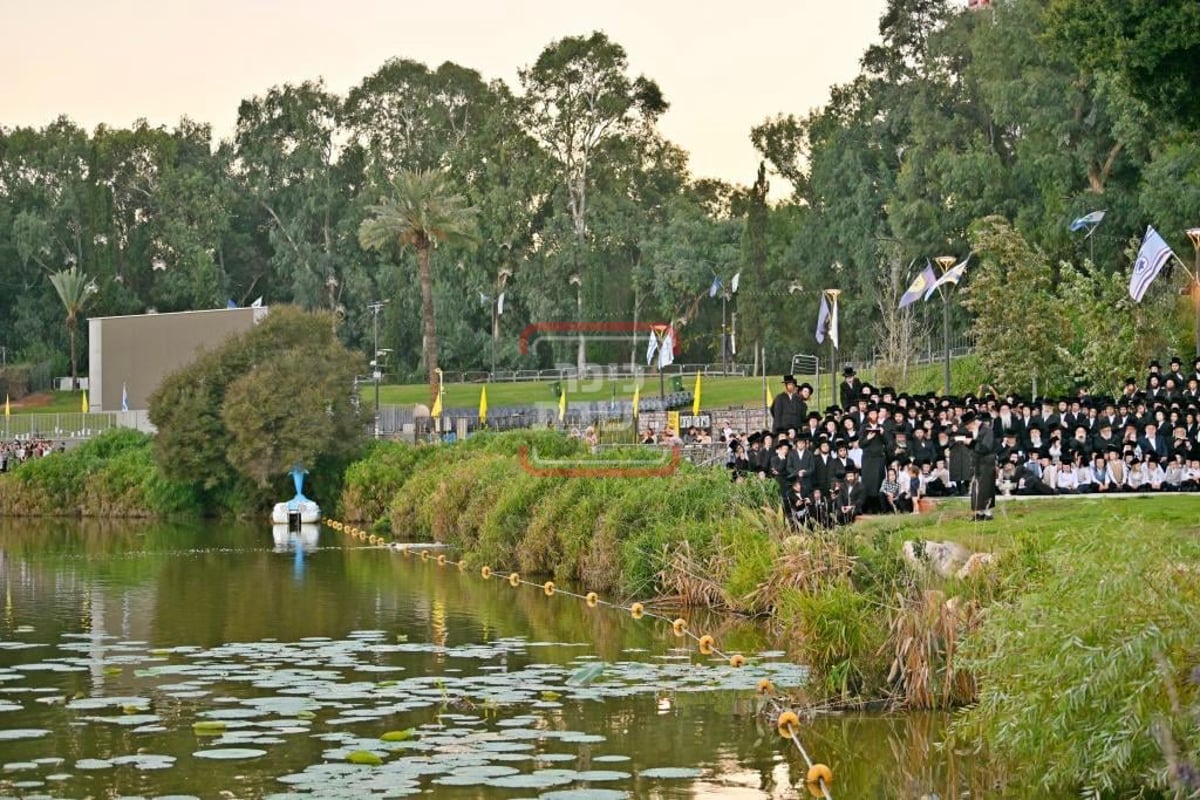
{"x": 60, "y": 403}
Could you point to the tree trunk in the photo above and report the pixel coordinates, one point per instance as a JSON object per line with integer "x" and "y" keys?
{"x": 431, "y": 350}
{"x": 71, "y": 337}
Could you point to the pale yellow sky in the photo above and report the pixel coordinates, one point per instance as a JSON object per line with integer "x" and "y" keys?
{"x": 723, "y": 66}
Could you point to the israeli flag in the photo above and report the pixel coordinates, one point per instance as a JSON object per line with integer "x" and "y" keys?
{"x": 1087, "y": 221}
{"x": 124, "y": 398}
{"x": 716, "y": 287}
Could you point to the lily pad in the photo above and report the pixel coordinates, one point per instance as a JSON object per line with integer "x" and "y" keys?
{"x": 365, "y": 757}
{"x": 10, "y": 734}
{"x": 230, "y": 753}
{"x": 671, "y": 773}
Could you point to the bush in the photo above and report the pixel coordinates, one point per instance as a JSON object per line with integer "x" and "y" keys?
{"x": 112, "y": 475}
{"x": 1090, "y": 674}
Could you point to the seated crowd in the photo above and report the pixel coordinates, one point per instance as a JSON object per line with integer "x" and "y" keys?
{"x": 18, "y": 451}
{"x": 881, "y": 451}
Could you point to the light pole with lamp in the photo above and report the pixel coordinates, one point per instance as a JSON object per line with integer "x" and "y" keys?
{"x": 497, "y": 309}
{"x": 1194, "y": 235}
{"x": 945, "y": 262}
{"x": 375, "y": 306}
{"x": 576, "y": 280}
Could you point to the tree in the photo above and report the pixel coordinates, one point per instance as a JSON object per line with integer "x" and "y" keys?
{"x": 582, "y": 108}
{"x": 1153, "y": 47}
{"x": 74, "y": 288}
{"x": 1011, "y": 294}
{"x": 421, "y": 213}
{"x": 249, "y": 409}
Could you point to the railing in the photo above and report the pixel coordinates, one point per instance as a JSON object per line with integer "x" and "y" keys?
{"x": 592, "y": 372}
{"x": 72, "y": 424}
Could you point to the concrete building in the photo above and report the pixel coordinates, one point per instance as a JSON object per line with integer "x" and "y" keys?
{"x": 133, "y": 354}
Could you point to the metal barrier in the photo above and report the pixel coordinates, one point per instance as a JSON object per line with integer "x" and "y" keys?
{"x": 68, "y": 425}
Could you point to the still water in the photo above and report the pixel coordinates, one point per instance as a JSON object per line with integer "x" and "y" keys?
{"x": 208, "y": 660}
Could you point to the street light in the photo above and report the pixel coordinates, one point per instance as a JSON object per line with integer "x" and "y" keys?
{"x": 375, "y": 306}
{"x": 1194, "y": 235}
{"x": 945, "y": 262}
{"x": 577, "y": 281}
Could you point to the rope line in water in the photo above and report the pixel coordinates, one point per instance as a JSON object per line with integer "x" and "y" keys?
{"x": 819, "y": 776}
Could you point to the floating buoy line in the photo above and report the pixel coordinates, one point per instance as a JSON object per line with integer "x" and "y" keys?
{"x": 819, "y": 777}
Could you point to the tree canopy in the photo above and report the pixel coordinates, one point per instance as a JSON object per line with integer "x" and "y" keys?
{"x": 1034, "y": 112}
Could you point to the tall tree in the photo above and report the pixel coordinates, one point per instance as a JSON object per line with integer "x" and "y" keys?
{"x": 74, "y": 288}
{"x": 580, "y": 105}
{"x": 420, "y": 213}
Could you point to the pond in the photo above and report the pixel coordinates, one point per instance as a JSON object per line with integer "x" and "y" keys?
{"x": 210, "y": 660}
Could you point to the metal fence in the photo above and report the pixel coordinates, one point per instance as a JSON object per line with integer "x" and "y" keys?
{"x": 72, "y": 425}
{"x": 590, "y": 372}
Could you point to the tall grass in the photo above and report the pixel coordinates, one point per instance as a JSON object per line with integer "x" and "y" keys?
{"x": 112, "y": 475}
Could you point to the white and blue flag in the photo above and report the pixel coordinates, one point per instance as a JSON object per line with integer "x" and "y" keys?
{"x": 1151, "y": 258}
{"x": 1089, "y": 221}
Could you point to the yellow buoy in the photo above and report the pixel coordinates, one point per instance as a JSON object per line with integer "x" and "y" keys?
{"x": 637, "y": 610}
{"x": 548, "y": 588}
{"x": 819, "y": 774}
{"x": 679, "y": 626}
{"x": 786, "y": 723}
{"x": 736, "y": 660}
{"x": 706, "y": 644}
{"x": 765, "y": 686}
{"x": 461, "y": 565}
{"x": 441, "y": 559}
{"x": 486, "y": 572}
{"x": 514, "y": 579}
{"x": 592, "y": 599}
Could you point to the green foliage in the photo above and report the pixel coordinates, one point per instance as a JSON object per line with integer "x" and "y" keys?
{"x": 1077, "y": 675}
{"x": 112, "y": 475}
{"x": 1021, "y": 327}
{"x": 253, "y": 407}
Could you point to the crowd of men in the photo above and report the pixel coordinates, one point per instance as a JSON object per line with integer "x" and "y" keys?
{"x": 880, "y": 451}
{"x": 18, "y": 451}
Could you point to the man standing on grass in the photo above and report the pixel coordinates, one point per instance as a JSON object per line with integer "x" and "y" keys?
{"x": 981, "y": 440}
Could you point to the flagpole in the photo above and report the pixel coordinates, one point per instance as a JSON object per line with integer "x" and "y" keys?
{"x": 945, "y": 262}
{"x": 832, "y": 294}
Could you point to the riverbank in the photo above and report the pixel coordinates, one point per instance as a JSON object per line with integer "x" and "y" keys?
{"x": 1072, "y": 639}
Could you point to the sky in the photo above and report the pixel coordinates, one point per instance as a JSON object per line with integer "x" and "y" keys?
{"x": 722, "y": 66}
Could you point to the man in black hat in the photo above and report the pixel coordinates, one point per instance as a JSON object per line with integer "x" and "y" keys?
{"x": 780, "y": 468}
{"x": 850, "y": 497}
{"x": 981, "y": 440}
{"x": 789, "y": 408}
{"x": 850, "y": 388}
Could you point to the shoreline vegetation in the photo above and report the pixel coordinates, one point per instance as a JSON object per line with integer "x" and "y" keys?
{"x": 1072, "y": 653}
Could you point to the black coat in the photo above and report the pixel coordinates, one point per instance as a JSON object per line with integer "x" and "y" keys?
{"x": 848, "y": 392}
{"x": 788, "y": 411}
{"x": 874, "y": 462}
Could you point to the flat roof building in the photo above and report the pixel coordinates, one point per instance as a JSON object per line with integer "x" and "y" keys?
{"x": 131, "y": 355}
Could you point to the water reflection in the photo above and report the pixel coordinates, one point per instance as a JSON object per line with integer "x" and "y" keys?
{"x": 110, "y": 603}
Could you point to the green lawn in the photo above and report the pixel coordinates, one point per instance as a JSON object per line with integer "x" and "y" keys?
{"x": 62, "y": 402}
{"x": 952, "y": 519}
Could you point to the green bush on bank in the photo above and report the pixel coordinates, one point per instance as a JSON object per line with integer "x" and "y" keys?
{"x": 112, "y": 475}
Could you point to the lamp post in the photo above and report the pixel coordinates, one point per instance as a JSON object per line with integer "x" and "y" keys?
{"x": 501, "y": 279}
{"x": 375, "y": 306}
{"x": 945, "y": 262}
{"x": 1194, "y": 235}
{"x": 577, "y": 281}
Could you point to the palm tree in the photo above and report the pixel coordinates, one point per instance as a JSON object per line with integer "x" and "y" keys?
{"x": 74, "y": 288}
{"x": 421, "y": 213}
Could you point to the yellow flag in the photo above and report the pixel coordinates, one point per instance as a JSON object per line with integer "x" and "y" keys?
{"x": 696, "y": 397}
{"x": 436, "y": 413}
{"x": 7, "y": 411}
{"x": 562, "y": 405}
{"x": 84, "y": 404}
{"x": 483, "y": 405}
{"x": 636, "y": 395}
{"x": 766, "y": 396}
{"x": 673, "y": 421}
